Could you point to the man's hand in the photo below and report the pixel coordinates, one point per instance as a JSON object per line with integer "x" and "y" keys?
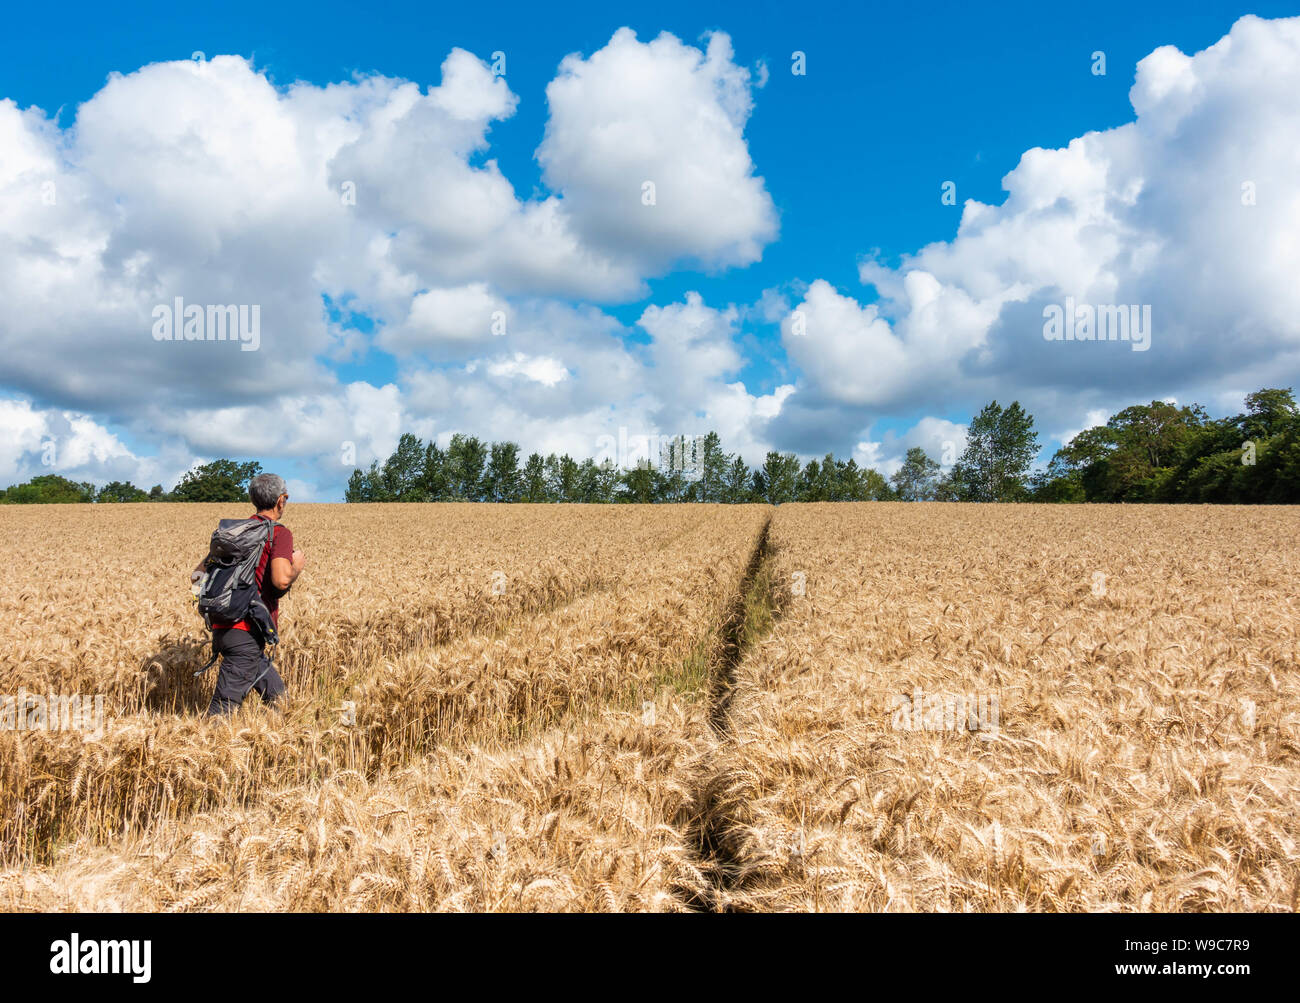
{"x": 299, "y": 561}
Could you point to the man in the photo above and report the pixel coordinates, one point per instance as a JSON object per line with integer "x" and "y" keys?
{"x": 244, "y": 665}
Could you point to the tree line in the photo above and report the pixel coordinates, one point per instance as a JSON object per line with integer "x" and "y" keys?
{"x": 688, "y": 470}
{"x": 1160, "y": 452}
{"x": 1001, "y": 445}
{"x": 1157, "y": 452}
{"x": 218, "y": 481}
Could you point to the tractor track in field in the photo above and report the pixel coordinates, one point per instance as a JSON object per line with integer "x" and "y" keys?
{"x": 710, "y": 832}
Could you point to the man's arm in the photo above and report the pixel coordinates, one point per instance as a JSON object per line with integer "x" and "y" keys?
{"x": 286, "y": 560}
{"x": 285, "y": 573}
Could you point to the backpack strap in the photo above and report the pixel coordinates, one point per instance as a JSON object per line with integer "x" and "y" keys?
{"x": 266, "y": 668}
{"x": 270, "y": 539}
{"x": 270, "y": 543}
{"x": 211, "y": 661}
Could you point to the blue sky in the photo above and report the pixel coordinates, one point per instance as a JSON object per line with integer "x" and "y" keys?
{"x": 897, "y": 99}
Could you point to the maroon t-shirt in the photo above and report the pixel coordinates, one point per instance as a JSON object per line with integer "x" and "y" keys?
{"x": 281, "y": 546}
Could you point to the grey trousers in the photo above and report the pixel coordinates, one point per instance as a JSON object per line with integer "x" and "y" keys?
{"x": 244, "y": 668}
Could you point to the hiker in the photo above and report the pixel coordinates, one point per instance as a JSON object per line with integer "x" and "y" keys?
{"x": 242, "y": 645}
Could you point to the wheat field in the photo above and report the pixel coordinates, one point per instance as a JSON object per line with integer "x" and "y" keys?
{"x": 875, "y": 706}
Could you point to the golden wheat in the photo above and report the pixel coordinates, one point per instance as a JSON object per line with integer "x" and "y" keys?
{"x": 1145, "y": 751}
{"x": 617, "y": 729}
{"x": 635, "y": 629}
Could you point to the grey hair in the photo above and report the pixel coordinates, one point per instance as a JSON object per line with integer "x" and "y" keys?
{"x": 265, "y": 490}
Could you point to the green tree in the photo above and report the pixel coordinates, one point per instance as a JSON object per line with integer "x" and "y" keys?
{"x": 875, "y": 487}
{"x": 826, "y": 485}
{"x": 1269, "y": 412}
{"x": 855, "y": 483}
{"x": 588, "y": 481}
{"x": 1000, "y": 446}
{"x": 1077, "y": 468}
{"x": 780, "y": 476}
{"x": 1246, "y": 459}
{"x": 640, "y": 484}
{"x": 502, "y": 482}
{"x": 679, "y": 462}
{"x": 1144, "y": 453}
{"x": 808, "y": 487}
{"x": 358, "y": 489}
{"x": 433, "y": 473}
{"x": 370, "y": 485}
{"x": 818, "y": 481}
{"x": 534, "y": 480}
{"x": 1153, "y": 430}
{"x": 606, "y": 482}
{"x": 713, "y": 463}
{"x": 120, "y": 491}
{"x": 670, "y": 486}
{"x": 466, "y": 460}
{"x": 49, "y": 489}
{"x": 403, "y": 470}
{"x": 736, "y": 482}
{"x": 218, "y": 481}
{"x": 562, "y": 478}
{"x": 918, "y": 478}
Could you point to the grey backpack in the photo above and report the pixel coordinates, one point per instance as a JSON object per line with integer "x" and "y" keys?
{"x": 228, "y": 590}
